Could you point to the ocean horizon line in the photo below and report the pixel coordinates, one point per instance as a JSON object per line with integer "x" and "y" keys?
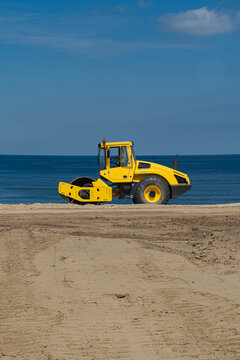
{"x": 94, "y": 155}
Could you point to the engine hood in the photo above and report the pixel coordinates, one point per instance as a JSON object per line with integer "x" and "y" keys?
{"x": 173, "y": 177}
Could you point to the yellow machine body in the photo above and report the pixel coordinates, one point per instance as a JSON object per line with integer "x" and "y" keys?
{"x": 135, "y": 170}
{"x": 119, "y": 167}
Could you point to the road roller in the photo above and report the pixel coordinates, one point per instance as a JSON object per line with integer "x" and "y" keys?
{"x": 122, "y": 176}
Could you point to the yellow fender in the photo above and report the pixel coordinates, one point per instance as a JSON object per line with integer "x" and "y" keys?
{"x": 99, "y": 192}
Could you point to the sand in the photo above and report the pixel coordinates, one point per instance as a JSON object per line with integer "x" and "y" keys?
{"x": 119, "y": 282}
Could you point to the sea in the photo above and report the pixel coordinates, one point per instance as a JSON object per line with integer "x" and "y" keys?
{"x": 31, "y": 179}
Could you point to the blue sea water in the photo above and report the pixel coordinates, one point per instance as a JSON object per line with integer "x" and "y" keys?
{"x": 29, "y": 179}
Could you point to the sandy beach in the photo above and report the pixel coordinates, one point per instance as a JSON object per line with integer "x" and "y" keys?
{"x": 119, "y": 282}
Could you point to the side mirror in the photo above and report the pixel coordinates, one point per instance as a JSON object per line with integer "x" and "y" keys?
{"x": 108, "y": 154}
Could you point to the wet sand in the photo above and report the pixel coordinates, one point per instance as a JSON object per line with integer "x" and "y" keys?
{"x": 119, "y": 282}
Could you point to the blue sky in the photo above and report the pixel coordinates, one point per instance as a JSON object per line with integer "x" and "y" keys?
{"x": 165, "y": 74}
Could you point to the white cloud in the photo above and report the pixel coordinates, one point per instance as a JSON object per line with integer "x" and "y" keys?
{"x": 80, "y": 34}
{"x": 200, "y": 22}
{"x": 145, "y": 3}
{"x": 89, "y": 47}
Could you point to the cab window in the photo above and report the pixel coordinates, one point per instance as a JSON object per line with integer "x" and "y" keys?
{"x": 114, "y": 156}
{"x": 102, "y": 159}
{"x": 124, "y": 156}
{"x": 133, "y": 154}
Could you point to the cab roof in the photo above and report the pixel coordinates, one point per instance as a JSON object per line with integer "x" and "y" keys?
{"x": 115, "y": 144}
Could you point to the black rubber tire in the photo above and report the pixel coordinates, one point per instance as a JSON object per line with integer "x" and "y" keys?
{"x": 139, "y": 197}
{"x": 134, "y": 200}
{"x": 82, "y": 181}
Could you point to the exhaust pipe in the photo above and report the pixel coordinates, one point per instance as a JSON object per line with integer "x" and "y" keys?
{"x": 175, "y": 162}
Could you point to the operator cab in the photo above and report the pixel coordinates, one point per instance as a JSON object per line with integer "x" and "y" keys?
{"x": 116, "y": 161}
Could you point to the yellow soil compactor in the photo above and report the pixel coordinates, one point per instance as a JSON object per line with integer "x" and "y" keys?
{"x": 143, "y": 182}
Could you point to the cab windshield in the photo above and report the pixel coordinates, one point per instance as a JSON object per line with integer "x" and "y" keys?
{"x": 102, "y": 159}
